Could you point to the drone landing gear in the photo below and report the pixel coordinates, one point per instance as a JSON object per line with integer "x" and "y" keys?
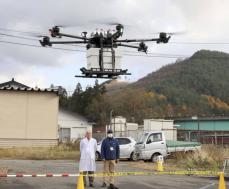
{"x": 102, "y": 74}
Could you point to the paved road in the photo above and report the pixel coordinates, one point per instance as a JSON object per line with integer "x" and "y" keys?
{"x": 129, "y": 182}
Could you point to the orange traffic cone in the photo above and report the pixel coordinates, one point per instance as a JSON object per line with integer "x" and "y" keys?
{"x": 222, "y": 184}
{"x": 80, "y": 182}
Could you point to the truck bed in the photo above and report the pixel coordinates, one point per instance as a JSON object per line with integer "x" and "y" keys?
{"x": 179, "y": 146}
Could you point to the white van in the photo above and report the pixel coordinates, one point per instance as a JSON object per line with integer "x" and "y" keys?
{"x": 150, "y": 145}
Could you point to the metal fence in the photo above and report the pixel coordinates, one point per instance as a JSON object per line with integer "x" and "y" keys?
{"x": 204, "y": 137}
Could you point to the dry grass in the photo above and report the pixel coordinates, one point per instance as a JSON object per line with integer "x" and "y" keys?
{"x": 63, "y": 151}
{"x": 143, "y": 165}
{"x": 210, "y": 157}
{"x": 3, "y": 170}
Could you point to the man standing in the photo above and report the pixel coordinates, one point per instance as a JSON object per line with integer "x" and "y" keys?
{"x": 88, "y": 147}
{"x": 110, "y": 154}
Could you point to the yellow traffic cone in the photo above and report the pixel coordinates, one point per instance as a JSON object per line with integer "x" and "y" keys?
{"x": 222, "y": 184}
{"x": 160, "y": 166}
{"x": 80, "y": 182}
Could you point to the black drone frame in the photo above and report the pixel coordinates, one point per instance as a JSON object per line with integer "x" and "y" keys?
{"x": 103, "y": 40}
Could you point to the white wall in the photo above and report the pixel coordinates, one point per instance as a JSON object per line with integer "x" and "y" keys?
{"x": 79, "y": 132}
{"x": 118, "y": 124}
{"x": 157, "y": 124}
{"x": 170, "y": 134}
{"x": 161, "y": 125}
{"x": 78, "y": 124}
{"x": 131, "y": 126}
{"x": 28, "y": 115}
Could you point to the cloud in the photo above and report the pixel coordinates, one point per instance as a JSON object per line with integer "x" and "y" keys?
{"x": 204, "y": 20}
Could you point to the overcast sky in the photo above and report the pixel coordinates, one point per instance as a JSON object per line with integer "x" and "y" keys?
{"x": 203, "y": 20}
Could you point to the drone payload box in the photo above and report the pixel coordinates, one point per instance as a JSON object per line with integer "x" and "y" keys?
{"x": 93, "y": 58}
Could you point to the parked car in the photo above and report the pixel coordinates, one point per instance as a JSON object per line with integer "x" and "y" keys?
{"x": 127, "y": 148}
{"x": 152, "y": 144}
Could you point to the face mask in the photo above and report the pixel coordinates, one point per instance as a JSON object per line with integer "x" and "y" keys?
{"x": 110, "y": 135}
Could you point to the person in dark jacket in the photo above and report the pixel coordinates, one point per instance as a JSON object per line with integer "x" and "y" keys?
{"x": 110, "y": 155}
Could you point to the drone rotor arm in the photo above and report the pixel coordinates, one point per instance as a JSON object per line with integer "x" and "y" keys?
{"x": 67, "y": 42}
{"x": 136, "y": 40}
{"x": 72, "y": 36}
{"x": 125, "y": 45}
{"x": 142, "y": 47}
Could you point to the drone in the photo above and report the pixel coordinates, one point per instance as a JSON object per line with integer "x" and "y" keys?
{"x": 101, "y": 46}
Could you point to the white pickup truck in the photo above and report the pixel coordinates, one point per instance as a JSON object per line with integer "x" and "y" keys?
{"x": 152, "y": 144}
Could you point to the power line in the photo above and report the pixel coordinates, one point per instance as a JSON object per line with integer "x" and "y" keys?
{"x": 161, "y": 55}
{"x": 156, "y": 56}
{"x": 21, "y": 37}
{"x": 16, "y": 36}
{"x": 38, "y": 46}
{"x": 175, "y": 42}
{"x": 199, "y": 43}
{"x": 19, "y": 31}
{"x": 127, "y": 54}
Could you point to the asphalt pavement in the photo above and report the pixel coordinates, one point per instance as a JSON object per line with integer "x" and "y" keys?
{"x": 123, "y": 182}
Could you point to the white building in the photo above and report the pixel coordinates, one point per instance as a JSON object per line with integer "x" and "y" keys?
{"x": 161, "y": 125}
{"x": 28, "y": 116}
{"x": 121, "y": 127}
{"x": 118, "y": 124}
{"x": 72, "y": 126}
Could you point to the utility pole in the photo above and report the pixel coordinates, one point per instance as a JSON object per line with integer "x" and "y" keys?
{"x": 111, "y": 112}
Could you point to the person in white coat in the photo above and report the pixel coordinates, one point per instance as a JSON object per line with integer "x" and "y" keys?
{"x": 88, "y": 146}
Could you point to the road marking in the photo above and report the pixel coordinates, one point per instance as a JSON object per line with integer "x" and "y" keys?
{"x": 207, "y": 186}
{"x": 146, "y": 184}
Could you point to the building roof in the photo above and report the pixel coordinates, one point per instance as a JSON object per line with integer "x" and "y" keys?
{"x": 13, "y": 83}
{"x": 202, "y": 119}
{"x": 16, "y": 86}
{"x": 28, "y": 89}
{"x": 203, "y": 125}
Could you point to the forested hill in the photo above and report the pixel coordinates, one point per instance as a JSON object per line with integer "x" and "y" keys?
{"x": 206, "y": 72}
{"x": 198, "y": 86}
{"x": 190, "y": 82}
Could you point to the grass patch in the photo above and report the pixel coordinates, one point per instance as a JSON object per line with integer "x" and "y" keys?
{"x": 210, "y": 157}
{"x": 62, "y": 151}
{"x": 3, "y": 170}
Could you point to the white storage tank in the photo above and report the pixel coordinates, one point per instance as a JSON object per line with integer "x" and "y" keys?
{"x": 93, "y": 58}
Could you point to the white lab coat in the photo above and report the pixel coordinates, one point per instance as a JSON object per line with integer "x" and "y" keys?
{"x": 87, "y": 154}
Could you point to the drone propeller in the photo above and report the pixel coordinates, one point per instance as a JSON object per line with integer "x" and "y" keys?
{"x": 36, "y": 35}
{"x": 112, "y": 23}
{"x": 40, "y": 36}
{"x": 66, "y": 26}
{"x": 45, "y": 41}
{"x": 172, "y": 33}
{"x": 109, "y": 22}
{"x": 66, "y": 23}
{"x": 177, "y": 33}
{"x": 60, "y": 26}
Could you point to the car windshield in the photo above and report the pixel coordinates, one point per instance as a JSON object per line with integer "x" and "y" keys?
{"x": 142, "y": 139}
